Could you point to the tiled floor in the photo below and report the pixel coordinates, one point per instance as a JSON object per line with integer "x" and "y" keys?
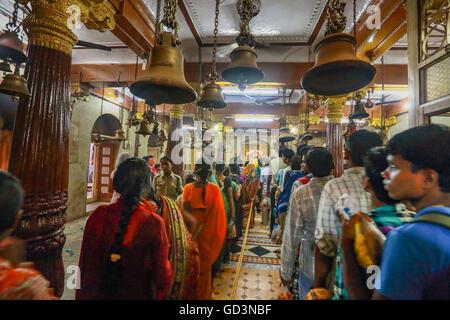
{"x": 259, "y": 279}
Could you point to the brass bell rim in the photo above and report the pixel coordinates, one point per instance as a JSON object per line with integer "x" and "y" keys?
{"x": 286, "y": 139}
{"x": 254, "y": 74}
{"x": 313, "y": 76}
{"x": 178, "y": 94}
{"x": 14, "y": 77}
{"x": 359, "y": 116}
{"x": 15, "y": 52}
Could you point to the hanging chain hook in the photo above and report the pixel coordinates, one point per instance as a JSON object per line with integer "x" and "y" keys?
{"x": 213, "y": 75}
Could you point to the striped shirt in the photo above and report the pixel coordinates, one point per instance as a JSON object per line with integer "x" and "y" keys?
{"x": 299, "y": 227}
{"x": 328, "y": 225}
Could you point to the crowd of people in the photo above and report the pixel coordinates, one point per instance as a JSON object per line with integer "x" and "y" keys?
{"x": 167, "y": 237}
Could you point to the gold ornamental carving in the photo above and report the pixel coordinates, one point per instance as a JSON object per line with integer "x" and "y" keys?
{"x": 176, "y": 111}
{"x": 335, "y": 106}
{"x": 50, "y": 21}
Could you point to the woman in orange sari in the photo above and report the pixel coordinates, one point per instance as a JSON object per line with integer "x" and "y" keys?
{"x": 204, "y": 212}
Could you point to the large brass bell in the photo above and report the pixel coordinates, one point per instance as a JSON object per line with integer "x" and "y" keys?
{"x": 144, "y": 129}
{"x": 212, "y": 97}
{"x": 164, "y": 82}
{"x": 120, "y": 135}
{"x": 15, "y": 85}
{"x": 11, "y": 47}
{"x": 243, "y": 69}
{"x": 337, "y": 70}
{"x": 358, "y": 112}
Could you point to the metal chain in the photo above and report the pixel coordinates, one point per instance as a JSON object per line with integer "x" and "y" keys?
{"x": 170, "y": 9}
{"x": 247, "y": 10}
{"x": 213, "y": 74}
{"x": 354, "y": 18}
{"x": 12, "y": 25}
{"x": 157, "y": 18}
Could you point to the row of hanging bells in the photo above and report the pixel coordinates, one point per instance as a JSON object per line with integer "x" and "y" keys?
{"x": 12, "y": 53}
{"x": 164, "y": 80}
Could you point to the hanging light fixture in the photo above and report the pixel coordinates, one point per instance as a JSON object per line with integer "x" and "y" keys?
{"x": 243, "y": 69}
{"x": 12, "y": 52}
{"x": 164, "y": 81}
{"x": 211, "y": 95}
{"x": 337, "y": 70}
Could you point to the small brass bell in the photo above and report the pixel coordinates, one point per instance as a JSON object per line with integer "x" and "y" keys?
{"x": 120, "y": 135}
{"x": 164, "y": 81}
{"x": 143, "y": 129}
{"x": 358, "y": 112}
{"x": 15, "y": 85}
{"x": 243, "y": 69}
{"x": 285, "y": 135}
{"x": 212, "y": 97}
{"x": 5, "y": 67}
{"x": 337, "y": 70}
{"x": 11, "y": 47}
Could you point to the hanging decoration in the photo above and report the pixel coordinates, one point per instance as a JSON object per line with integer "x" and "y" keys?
{"x": 337, "y": 70}
{"x": 132, "y": 120}
{"x": 164, "y": 81}
{"x": 243, "y": 69}
{"x": 285, "y": 131}
{"x": 12, "y": 53}
{"x": 358, "y": 112}
{"x": 211, "y": 95}
{"x": 120, "y": 134}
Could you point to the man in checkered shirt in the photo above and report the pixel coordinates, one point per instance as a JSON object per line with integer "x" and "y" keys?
{"x": 350, "y": 186}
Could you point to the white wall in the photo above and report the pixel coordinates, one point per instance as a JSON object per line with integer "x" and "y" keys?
{"x": 84, "y": 115}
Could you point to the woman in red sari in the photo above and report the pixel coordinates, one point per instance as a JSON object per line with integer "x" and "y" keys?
{"x": 125, "y": 249}
{"x": 204, "y": 212}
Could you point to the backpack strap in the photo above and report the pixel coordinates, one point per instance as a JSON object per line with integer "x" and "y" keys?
{"x": 439, "y": 219}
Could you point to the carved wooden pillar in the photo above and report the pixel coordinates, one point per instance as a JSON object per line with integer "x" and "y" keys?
{"x": 334, "y": 133}
{"x": 175, "y": 123}
{"x": 39, "y": 155}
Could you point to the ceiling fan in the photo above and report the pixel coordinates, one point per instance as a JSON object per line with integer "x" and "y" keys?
{"x": 267, "y": 101}
{"x": 262, "y": 101}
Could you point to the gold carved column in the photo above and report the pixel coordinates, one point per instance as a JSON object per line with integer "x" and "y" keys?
{"x": 175, "y": 123}
{"x": 334, "y": 133}
{"x": 40, "y": 150}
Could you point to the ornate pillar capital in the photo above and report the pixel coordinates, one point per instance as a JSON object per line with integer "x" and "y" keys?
{"x": 335, "y": 106}
{"x": 176, "y": 111}
{"x": 50, "y": 22}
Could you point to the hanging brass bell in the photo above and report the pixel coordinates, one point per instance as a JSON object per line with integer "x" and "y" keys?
{"x": 11, "y": 47}
{"x": 243, "y": 69}
{"x": 15, "y": 85}
{"x": 5, "y": 67}
{"x": 212, "y": 97}
{"x": 337, "y": 70}
{"x": 164, "y": 82}
{"x": 358, "y": 112}
{"x": 143, "y": 129}
{"x": 120, "y": 135}
{"x": 285, "y": 135}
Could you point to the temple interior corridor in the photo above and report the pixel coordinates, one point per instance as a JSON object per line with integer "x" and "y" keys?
{"x": 137, "y": 136}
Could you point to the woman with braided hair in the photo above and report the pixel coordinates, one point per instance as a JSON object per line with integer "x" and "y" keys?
{"x": 125, "y": 249}
{"x": 204, "y": 212}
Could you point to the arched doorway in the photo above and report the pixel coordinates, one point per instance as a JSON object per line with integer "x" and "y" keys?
{"x": 102, "y": 155}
